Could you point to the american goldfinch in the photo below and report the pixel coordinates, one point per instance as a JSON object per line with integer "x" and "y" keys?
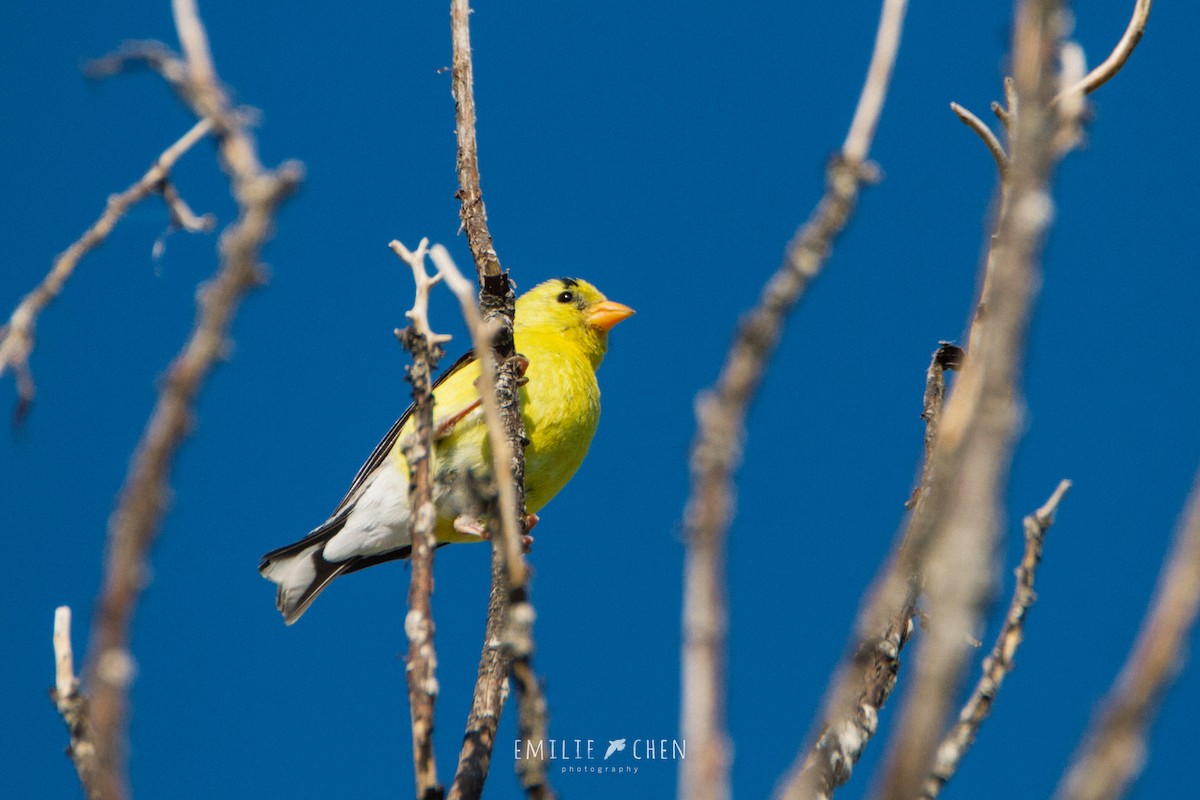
{"x": 561, "y": 328}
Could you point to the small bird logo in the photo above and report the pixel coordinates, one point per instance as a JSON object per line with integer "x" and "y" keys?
{"x": 613, "y": 746}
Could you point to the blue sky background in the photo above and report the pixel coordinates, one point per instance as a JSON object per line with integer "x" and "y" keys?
{"x": 667, "y": 156}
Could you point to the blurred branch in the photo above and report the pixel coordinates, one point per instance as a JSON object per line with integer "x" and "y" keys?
{"x": 421, "y": 671}
{"x": 961, "y": 521}
{"x": 964, "y": 474}
{"x": 1115, "y": 749}
{"x": 73, "y": 706}
{"x": 720, "y": 433}
{"x": 985, "y": 133}
{"x": 1108, "y": 68}
{"x": 996, "y": 666}
{"x": 872, "y": 673}
{"x": 979, "y": 431}
{"x": 144, "y": 496}
{"x": 17, "y": 335}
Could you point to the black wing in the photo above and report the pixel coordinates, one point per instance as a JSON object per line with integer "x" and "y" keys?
{"x": 389, "y": 441}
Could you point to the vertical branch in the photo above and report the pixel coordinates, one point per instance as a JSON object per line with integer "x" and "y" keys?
{"x": 1114, "y": 749}
{"x": 720, "y": 423}
{"x": 497, "y": 303}
{"x": 491, "y": 691}
{"x": 1000, "y": 662}
{"x": 143, "y": 500}
{"x": 517, "y": 622}
{"x": 421, "y": 669}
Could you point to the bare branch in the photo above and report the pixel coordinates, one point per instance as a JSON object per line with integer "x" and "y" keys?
{"x": 73, "y": 706}
{"x": 144, "y": 496}
{"x": 148, "y": 54}
{"x": 462, "y": 85}
{"x": 720, "y": 417}
{"x": 1108, "y": 68}
{"x": 879, "y": 77}
{"x": 520, "y": 615}
{"x": 491, "y": 692}
{"x": 1001, "y": 661}
{"x": 1115, "y": 748}
{"x": 979, "y": 430}
{"x": 497, "y": 302}
{"x": 966, "y": 471}
{"x": 985, "y": 133}
{"x": 17, "y": 339}
{"x": 425, "y": 346}
{"x": 876, "y": 661}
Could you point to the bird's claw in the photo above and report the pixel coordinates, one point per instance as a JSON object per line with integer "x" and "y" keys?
{"x": 522, "y": 365}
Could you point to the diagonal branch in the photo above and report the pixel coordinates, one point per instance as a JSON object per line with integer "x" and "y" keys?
{"x": 17, "y": 335}
{"x": 143, "y": 500}
{"x": 997, "y": 665}
{"x": 961, "y": 521}
{"x": 876, "y": 661}
{"x": 421, "y": 670}
{"x": 1114, "y": 749}
{"x": 720, "y": 431}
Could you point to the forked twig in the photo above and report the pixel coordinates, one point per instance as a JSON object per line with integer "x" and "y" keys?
{"x": 421, "y": 668}
{"x": 17, "y": 335}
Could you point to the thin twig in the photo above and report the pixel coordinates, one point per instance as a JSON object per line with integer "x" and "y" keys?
{"x": 421, "y": 670}
{"x": 473, "y": 213}
{"x": 985, "y": 133}
{"x": 1115, "y": 747}
{"x": 1001, "y": 661}
{"x": 72, "y": 705}
{"x": 1108, "y": 68}
{"x": 871, "y": 675}
{"x": 144, "y": 497}
{"x": 17, "y": 339}
{"x": 858, "y": 141}
{"x": 720, "y": 431}
{"x": 517, "y": 631}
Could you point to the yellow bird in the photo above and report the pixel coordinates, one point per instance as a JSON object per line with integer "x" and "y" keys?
{"x": 561, "y": 328}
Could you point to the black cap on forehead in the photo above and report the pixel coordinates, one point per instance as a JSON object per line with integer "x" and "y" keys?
{"x": 569, "y": 283}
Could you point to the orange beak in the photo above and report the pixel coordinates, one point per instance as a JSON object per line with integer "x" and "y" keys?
{"x": 607, "y": 314}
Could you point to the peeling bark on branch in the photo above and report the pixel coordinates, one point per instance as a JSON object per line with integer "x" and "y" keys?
{"x": 425, "y": 346}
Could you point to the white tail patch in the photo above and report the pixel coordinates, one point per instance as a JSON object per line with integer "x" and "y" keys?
{"x": 293, "y": 573}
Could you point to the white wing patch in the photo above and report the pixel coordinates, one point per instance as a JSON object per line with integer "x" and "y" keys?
{"x": 379, "y": 521}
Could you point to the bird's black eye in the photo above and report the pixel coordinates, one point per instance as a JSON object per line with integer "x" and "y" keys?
{"x": 566, "y": 297}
